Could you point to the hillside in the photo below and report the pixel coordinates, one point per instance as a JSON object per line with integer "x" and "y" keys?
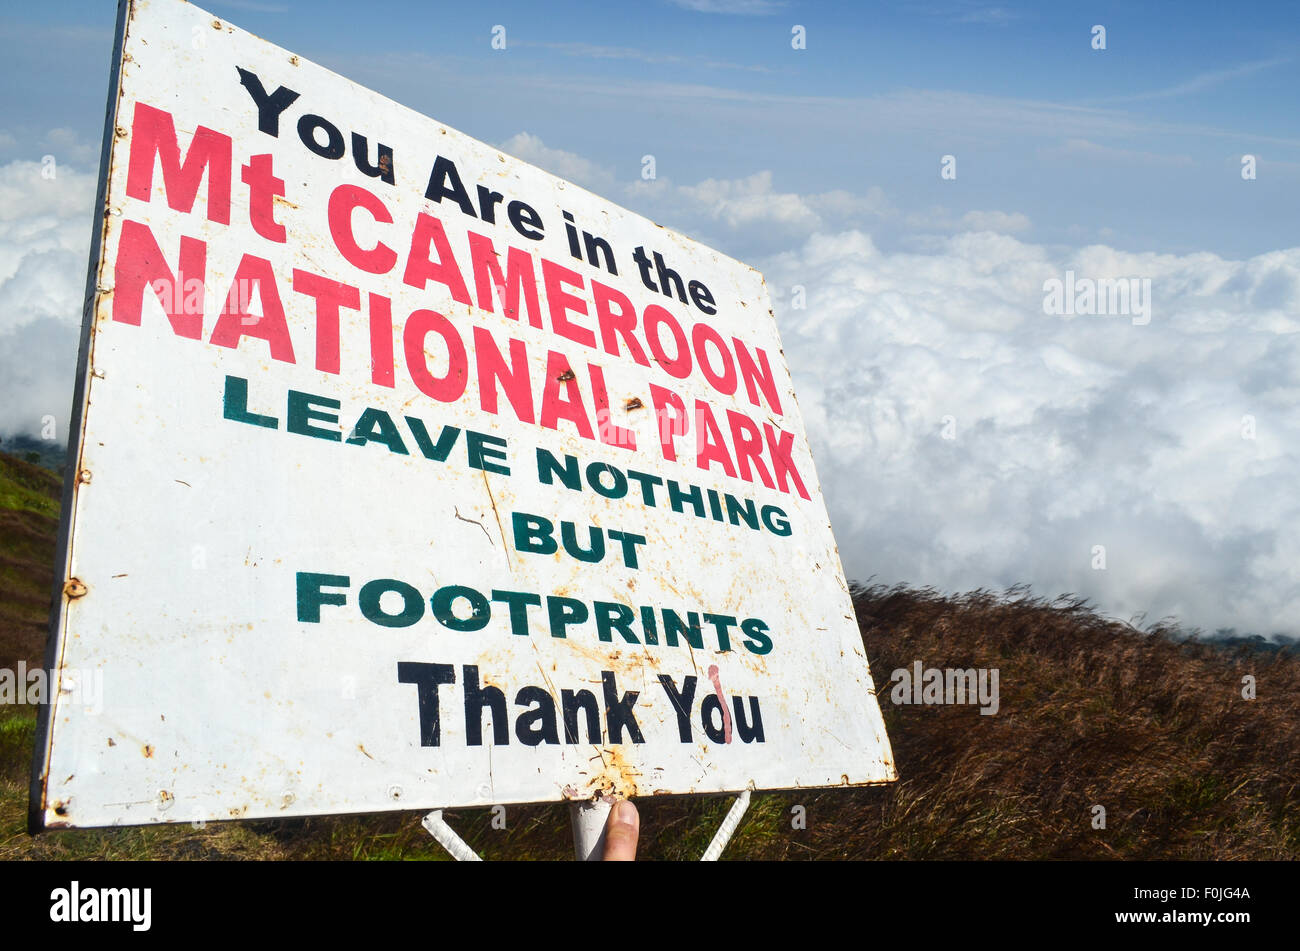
{"x": 1092, "y": 713}
{"x": 29, "y": 519}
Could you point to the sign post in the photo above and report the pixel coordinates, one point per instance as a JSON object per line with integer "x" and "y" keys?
{"x": 410, "y": 476}
{"x": 588, "y": 819}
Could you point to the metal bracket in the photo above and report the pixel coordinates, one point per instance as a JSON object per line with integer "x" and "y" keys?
{"x": 456, "y": 846}
{"x": 728, "y": 827}
{"x": 588, "y": 819}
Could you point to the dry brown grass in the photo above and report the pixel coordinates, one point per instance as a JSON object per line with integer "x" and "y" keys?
{"x": 1093, "y": 712}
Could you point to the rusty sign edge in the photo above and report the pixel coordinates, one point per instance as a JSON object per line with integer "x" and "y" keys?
{"x": 36, "y": 811}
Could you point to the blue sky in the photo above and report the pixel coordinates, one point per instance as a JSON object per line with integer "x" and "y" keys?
{"x": 964, "y": 436}
{"x": 1139, "y": 144}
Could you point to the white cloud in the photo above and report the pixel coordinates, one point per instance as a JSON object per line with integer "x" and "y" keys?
{"x": 712, "y": 207}
{"x": 567, "y": 165}
{"x": 68, "y": 147}
{"x": 749, "y": 201}
{"x": 27, "y": 194}
{"x": 45, "y": 227}
{"x": 940, "y": 219}
{"x": 1069, "y": 433}
{"x": 37, "y": 364}
{"x": 999, "y": 221}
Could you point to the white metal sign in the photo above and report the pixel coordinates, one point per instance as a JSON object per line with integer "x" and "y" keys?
{"x": 412, "y": 476}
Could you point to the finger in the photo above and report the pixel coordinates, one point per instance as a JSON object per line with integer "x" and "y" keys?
{"x": 622, "y": 829}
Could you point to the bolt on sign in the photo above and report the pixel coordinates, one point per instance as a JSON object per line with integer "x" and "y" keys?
{"x": 411, "y": 476}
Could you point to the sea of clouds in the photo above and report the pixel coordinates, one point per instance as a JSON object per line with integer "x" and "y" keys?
{"x": 963, "y": 437}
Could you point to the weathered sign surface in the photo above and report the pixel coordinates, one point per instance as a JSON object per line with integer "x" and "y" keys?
{"x": 413, "y": 476}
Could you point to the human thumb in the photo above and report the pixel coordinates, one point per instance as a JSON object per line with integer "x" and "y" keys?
{"x": 622, "y": 829}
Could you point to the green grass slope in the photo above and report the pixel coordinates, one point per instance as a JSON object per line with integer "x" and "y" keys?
{"x": 29, "y": 520}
